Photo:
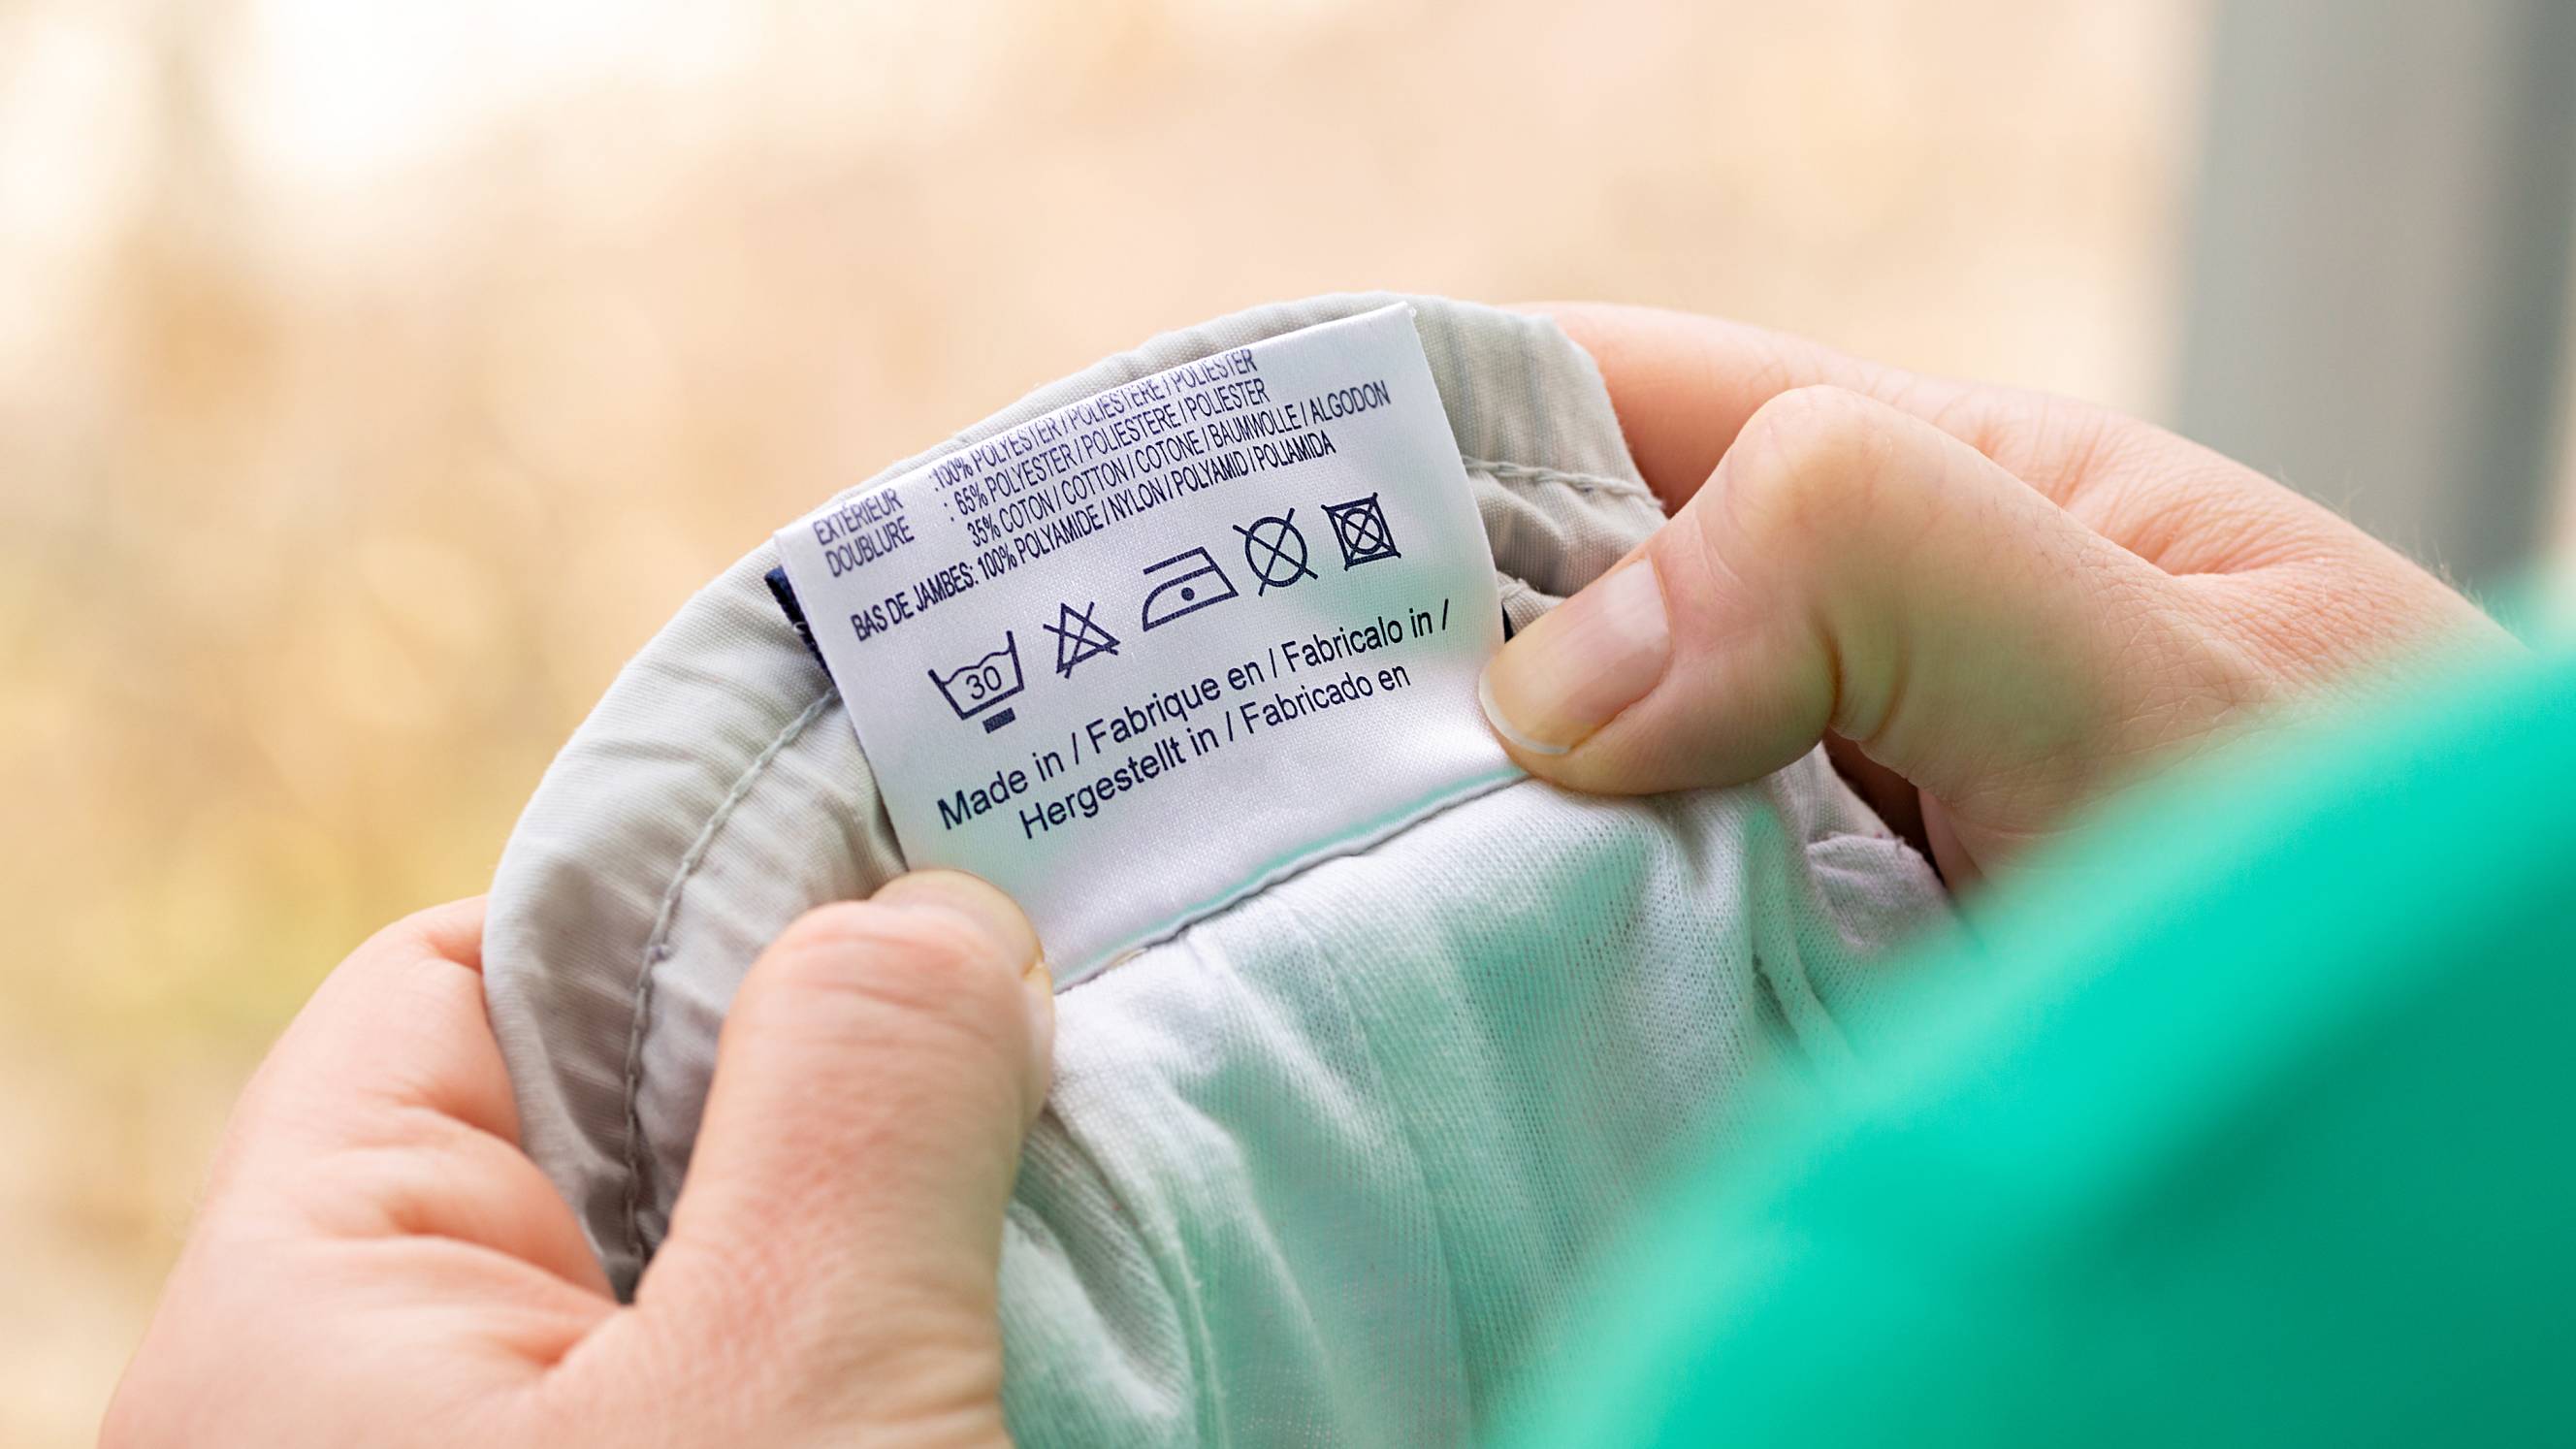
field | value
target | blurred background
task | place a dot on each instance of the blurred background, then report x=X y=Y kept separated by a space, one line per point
x=375 y=379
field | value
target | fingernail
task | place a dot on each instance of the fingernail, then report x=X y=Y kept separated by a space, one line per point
x=1575 y=668
x=963 y=897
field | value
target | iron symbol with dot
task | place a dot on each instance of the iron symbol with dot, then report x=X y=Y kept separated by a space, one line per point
x=1359 y=526
x=1185 y=583
x=1275 y=551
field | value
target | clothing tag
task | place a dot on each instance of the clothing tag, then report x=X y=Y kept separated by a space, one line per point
x=1145 y=654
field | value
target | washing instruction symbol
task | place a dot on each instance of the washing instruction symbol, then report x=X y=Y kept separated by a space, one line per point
x=971 y=689
x=1275 y=550
x=1077 y=638
x=1360 y=527
x=1195 y=583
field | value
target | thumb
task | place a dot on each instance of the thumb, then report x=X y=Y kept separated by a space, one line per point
x=842 y=1221
x=1852 y=570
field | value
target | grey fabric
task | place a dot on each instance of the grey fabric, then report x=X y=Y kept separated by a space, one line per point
x=1320 y=1167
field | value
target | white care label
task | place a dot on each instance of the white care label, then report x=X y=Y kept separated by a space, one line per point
x=1145 y=654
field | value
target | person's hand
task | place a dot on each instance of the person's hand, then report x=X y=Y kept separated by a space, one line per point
x=1990 y=604
x=376 y=1262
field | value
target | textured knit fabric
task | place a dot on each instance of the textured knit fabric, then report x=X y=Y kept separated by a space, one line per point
x=2251 y=1127
x=1324 y=1167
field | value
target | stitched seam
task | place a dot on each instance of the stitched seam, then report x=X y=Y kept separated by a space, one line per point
x=1502 y=472
x=657 y=948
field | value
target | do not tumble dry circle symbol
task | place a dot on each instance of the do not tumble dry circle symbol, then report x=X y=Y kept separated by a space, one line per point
x=1359 y=526
x=1275 y=551
x=1078 y=638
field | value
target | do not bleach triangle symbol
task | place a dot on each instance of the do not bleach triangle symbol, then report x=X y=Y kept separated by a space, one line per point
x=1078 y=637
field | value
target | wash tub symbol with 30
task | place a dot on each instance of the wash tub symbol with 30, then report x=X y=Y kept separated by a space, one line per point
x=973 y=689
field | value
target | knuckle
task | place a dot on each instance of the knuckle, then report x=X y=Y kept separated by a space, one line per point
x=1817 y=414
x=1806 y=461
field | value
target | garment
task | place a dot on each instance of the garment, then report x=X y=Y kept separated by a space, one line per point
x=2250 y=1125
x=1325 y=1166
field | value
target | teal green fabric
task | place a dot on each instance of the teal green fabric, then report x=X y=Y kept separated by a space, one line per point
x=2250 y=1123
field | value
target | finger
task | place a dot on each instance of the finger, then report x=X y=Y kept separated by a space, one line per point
x=401 y=1022
x=385 y=1108
x=1684 y=386
x=1852 y=569
x=878 y=1070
